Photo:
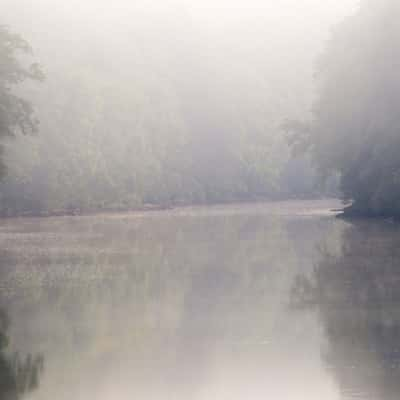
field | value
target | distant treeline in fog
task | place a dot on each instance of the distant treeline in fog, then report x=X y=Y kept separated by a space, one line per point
x=164 y=110
x=169 y=106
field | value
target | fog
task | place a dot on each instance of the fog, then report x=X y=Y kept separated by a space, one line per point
x=172 y=175
x=169 y=102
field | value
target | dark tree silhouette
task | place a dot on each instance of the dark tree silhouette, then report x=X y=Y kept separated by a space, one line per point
x=354 y=128
x=18 y=376
x=356 y=297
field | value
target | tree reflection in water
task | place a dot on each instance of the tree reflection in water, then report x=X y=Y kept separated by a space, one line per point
x=357 y=297
x=18 y=375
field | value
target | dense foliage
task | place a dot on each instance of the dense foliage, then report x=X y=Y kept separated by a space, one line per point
x=16 y=114
x=149 y=119
x=355 y=126
x=164 y=103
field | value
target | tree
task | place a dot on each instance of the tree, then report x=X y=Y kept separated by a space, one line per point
x=16 y=113
x=354 y=130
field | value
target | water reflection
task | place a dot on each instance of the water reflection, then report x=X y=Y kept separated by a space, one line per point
x=195 y=306
x=182 y=307
x=18 y=375
x=357 y=296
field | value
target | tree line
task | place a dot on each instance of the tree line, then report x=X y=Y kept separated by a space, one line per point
x=115 y=137
x=354 y=129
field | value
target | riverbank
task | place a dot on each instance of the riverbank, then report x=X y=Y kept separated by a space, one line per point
x=275 y=206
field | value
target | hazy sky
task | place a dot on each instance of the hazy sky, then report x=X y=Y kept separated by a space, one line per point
x=218 y=12
x=265 y=25
x=267 y=46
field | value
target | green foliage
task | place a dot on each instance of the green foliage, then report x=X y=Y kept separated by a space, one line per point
x=121 y=135
x=355 y=125
x=144 y=118
x=16 y=113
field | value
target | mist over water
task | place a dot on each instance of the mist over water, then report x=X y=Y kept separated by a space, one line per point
x=176 y=305
x=225 y=302
x=171 y=174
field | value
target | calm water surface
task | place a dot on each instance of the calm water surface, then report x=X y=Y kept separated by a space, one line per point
x=267 y=301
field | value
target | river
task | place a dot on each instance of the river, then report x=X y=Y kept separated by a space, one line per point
x=253 y=301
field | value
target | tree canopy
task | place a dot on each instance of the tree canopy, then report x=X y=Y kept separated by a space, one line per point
x=138 y=119
x=355 y=126
x=16 y=113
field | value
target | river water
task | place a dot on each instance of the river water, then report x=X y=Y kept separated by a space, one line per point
x=260 y=301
